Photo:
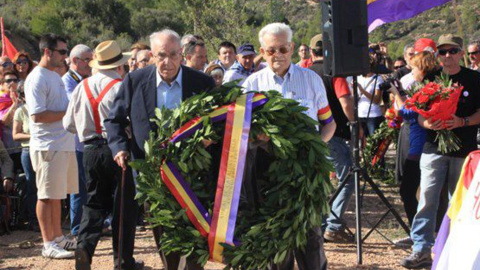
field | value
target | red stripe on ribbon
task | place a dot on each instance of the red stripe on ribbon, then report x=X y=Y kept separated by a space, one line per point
x=182 y=202
x=221 y=177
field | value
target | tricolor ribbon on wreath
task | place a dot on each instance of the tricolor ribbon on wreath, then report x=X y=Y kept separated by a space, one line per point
x=221 y=226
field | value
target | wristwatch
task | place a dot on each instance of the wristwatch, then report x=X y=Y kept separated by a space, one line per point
x=466 y=121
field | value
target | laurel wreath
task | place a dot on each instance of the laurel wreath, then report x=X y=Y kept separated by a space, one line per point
x=293 y=186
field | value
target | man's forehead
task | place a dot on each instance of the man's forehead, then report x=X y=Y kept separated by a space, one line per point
x=473 y=47
x=269 y=39
x=61 y=44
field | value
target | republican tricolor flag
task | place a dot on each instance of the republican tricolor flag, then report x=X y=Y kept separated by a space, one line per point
x=7 y=47
x=458 y=242
x=387 y=11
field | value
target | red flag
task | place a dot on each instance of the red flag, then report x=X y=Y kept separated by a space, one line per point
x=7 y=47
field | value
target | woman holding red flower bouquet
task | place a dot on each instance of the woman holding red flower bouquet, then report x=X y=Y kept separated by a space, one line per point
x=424 y=69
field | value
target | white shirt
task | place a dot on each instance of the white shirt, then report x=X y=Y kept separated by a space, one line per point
x=45 y=91
x=79 y=117
x=169 y=95
x=369 y=84
x=232 y=75
x=300 y=84
x=408 y=81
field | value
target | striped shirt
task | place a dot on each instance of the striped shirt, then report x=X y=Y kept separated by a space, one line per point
x=300 y=84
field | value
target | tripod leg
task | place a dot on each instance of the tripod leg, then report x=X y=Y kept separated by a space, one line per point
x=385 y=201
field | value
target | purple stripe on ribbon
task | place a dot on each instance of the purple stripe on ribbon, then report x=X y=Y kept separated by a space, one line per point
x=386 y=11
x=187 y=133
x=220 y=117
x=259 y=103
x=327 y=121
x=217 y=118
x=441 y=240
x=189 y=191
x=240 y=168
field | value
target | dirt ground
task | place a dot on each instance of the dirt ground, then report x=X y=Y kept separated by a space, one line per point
x=378 y=252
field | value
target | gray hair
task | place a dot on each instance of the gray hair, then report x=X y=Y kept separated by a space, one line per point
x=475 y=42
x=186 y=39
x=140 y=53
x=165 y=32
x=408 y=46
x=275 y=29
x=78 y=50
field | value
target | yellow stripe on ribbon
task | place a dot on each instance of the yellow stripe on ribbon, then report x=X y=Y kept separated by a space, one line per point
x=231 y=172
x=186 y=198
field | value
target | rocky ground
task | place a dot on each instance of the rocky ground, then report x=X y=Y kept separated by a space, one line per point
x=378 y=252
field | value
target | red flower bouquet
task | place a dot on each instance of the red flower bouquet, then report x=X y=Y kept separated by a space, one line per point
x=438 y=101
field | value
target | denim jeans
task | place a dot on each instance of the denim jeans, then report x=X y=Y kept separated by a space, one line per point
x=78 y=200
x=341 y=158
x=31 y=194
x=435 y=170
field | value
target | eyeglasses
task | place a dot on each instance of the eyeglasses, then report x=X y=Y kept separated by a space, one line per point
x=398 y=67
x=7 y=64
x=451 y=51
x=172 y=56
x=8 y=81
x=61 y=52
x=86 y=60
x=472 y=53
x=282 y=50
x=22 y=61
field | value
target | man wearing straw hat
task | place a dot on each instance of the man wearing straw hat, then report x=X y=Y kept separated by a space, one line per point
x=89 y=106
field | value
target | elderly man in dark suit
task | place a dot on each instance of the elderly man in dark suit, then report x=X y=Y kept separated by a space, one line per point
x=164 y=84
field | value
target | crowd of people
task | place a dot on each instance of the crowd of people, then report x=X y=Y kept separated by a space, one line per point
x=70 y=122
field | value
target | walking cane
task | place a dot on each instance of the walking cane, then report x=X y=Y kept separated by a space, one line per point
x=120 y=222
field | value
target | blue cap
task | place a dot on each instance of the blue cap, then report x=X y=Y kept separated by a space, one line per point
x=246 y=49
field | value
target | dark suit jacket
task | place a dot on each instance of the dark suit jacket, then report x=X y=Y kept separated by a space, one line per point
x=136 y=103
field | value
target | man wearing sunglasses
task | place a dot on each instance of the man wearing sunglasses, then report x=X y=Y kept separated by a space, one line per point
x=306 y=87
x=474 y=55
x=52 y=148
x=5 y=64
x=80 y=56
x=437 y=168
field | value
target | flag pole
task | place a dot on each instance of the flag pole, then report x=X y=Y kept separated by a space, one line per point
x=3 y=34
x=460 y=29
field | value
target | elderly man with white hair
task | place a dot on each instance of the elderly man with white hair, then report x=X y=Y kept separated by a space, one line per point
x=165 y=84
x=306 y=87
x=80 y=56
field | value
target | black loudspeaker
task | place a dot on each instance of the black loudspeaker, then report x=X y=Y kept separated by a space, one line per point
x=345 y=37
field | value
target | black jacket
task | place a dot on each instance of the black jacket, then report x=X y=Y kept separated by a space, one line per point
x=136 y=103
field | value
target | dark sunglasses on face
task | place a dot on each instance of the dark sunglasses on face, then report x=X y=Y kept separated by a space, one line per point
x=398 y=67
x=282 y=50
x=472 y=53
x=451 y=51
x=61 y=52
x=24 y=61
x=11 y=81
x=7 y=64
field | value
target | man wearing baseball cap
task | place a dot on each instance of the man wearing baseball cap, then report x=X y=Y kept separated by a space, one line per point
x=90 y=104
x=243 y=67
x=437 y=168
